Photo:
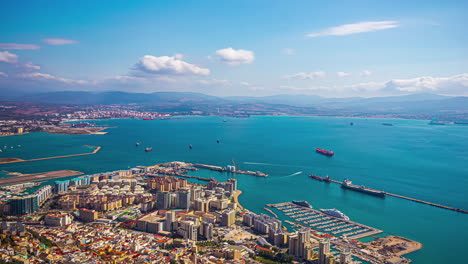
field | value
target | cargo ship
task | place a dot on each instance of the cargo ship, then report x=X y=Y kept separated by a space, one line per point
x=303 y=203
x=336 y=213
x=148 y=118
x=325 y=152
x=137 y=144
x=318 y=178
x=347 y=184
x=148 y=149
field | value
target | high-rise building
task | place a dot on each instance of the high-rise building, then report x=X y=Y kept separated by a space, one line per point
x=170 y=219
x=206 y=230
x=87 y=215
x=228 y=218
x=300 y=245
x=183 y=198
x=345 y=256
x=324 y=249
x=24 y=205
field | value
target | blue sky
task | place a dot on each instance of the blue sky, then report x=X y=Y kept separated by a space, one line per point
x=256 y=48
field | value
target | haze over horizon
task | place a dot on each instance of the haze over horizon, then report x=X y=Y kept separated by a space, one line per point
x=246 y=48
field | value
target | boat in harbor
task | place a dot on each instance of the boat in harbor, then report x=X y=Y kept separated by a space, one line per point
x=328 y=153
x=148 y=149
x=318 y=178
x=302 y=203
x=335 y=213
x=347 y=184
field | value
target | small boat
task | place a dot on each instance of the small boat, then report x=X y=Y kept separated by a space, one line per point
x=387 y=124
x=190 y=146
x=224 y=120
x=217 y=141
x=137 y=144
x=148 y=149
x=351 y=124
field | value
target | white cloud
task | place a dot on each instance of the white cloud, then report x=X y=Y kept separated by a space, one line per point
x=16 y=46
x=8 y=57
x=31 y=66
x=366 y=73
x=306 y=76
x=343 y=74
x=288 y=51
x=457 y=84
x=234 y=57
x=178 y=56
x=2 y=74
x=356 y=28
x=245 y=84
x=213 y=82
x=59 y=41
x=166 y=65
x=37 y=76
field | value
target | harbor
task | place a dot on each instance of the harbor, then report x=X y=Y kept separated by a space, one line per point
x=382 y=194
x=324 y=223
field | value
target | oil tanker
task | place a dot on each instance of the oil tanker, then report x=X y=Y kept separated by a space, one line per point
x=318 y=178
x=325 y=152
x=347 y=184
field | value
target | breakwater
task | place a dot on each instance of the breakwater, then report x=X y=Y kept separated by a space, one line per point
x=16 y=160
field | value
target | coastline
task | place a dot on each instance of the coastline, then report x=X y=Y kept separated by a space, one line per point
x=236 y=198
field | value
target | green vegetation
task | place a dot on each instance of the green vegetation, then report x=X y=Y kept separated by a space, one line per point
x=44 y=240
x=273 y=258
x=207 y=244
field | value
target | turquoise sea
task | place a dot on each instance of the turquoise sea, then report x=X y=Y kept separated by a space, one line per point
x=410 y=158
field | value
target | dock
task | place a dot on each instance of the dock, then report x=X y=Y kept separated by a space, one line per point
x=322 y=222
x=221 y=169
x=270 y=211
x=418 y=201
x=16 y=160
x=23 y=178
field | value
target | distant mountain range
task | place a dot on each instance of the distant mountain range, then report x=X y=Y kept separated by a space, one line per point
x=174 y=101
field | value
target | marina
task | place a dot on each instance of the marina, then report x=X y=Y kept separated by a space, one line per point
x=322 y=222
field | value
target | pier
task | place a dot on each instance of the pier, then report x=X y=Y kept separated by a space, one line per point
x=322 y=222
x=221 y=169
x=16 y=160
x=23 y=178
x=271 y=212
x=418 y=201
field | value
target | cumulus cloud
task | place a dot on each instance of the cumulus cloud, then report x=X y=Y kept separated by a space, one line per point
x=457 y=84
x=306 y=76
x=37 y=76
x=288 y=51
x=31 y=66
x=16 y=46
x=343 y=74
x=166 y=65
x=366 y=73
x=8 y=57
x=234 y=57
x=178 y=56
x=361 y=27
x=59 y=41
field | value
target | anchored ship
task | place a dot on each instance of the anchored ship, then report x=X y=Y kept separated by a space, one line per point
x=318 y=178
x=347 y=184
x=334 y=212
x=148 y=149
x=137 y=144
x=325 y=152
